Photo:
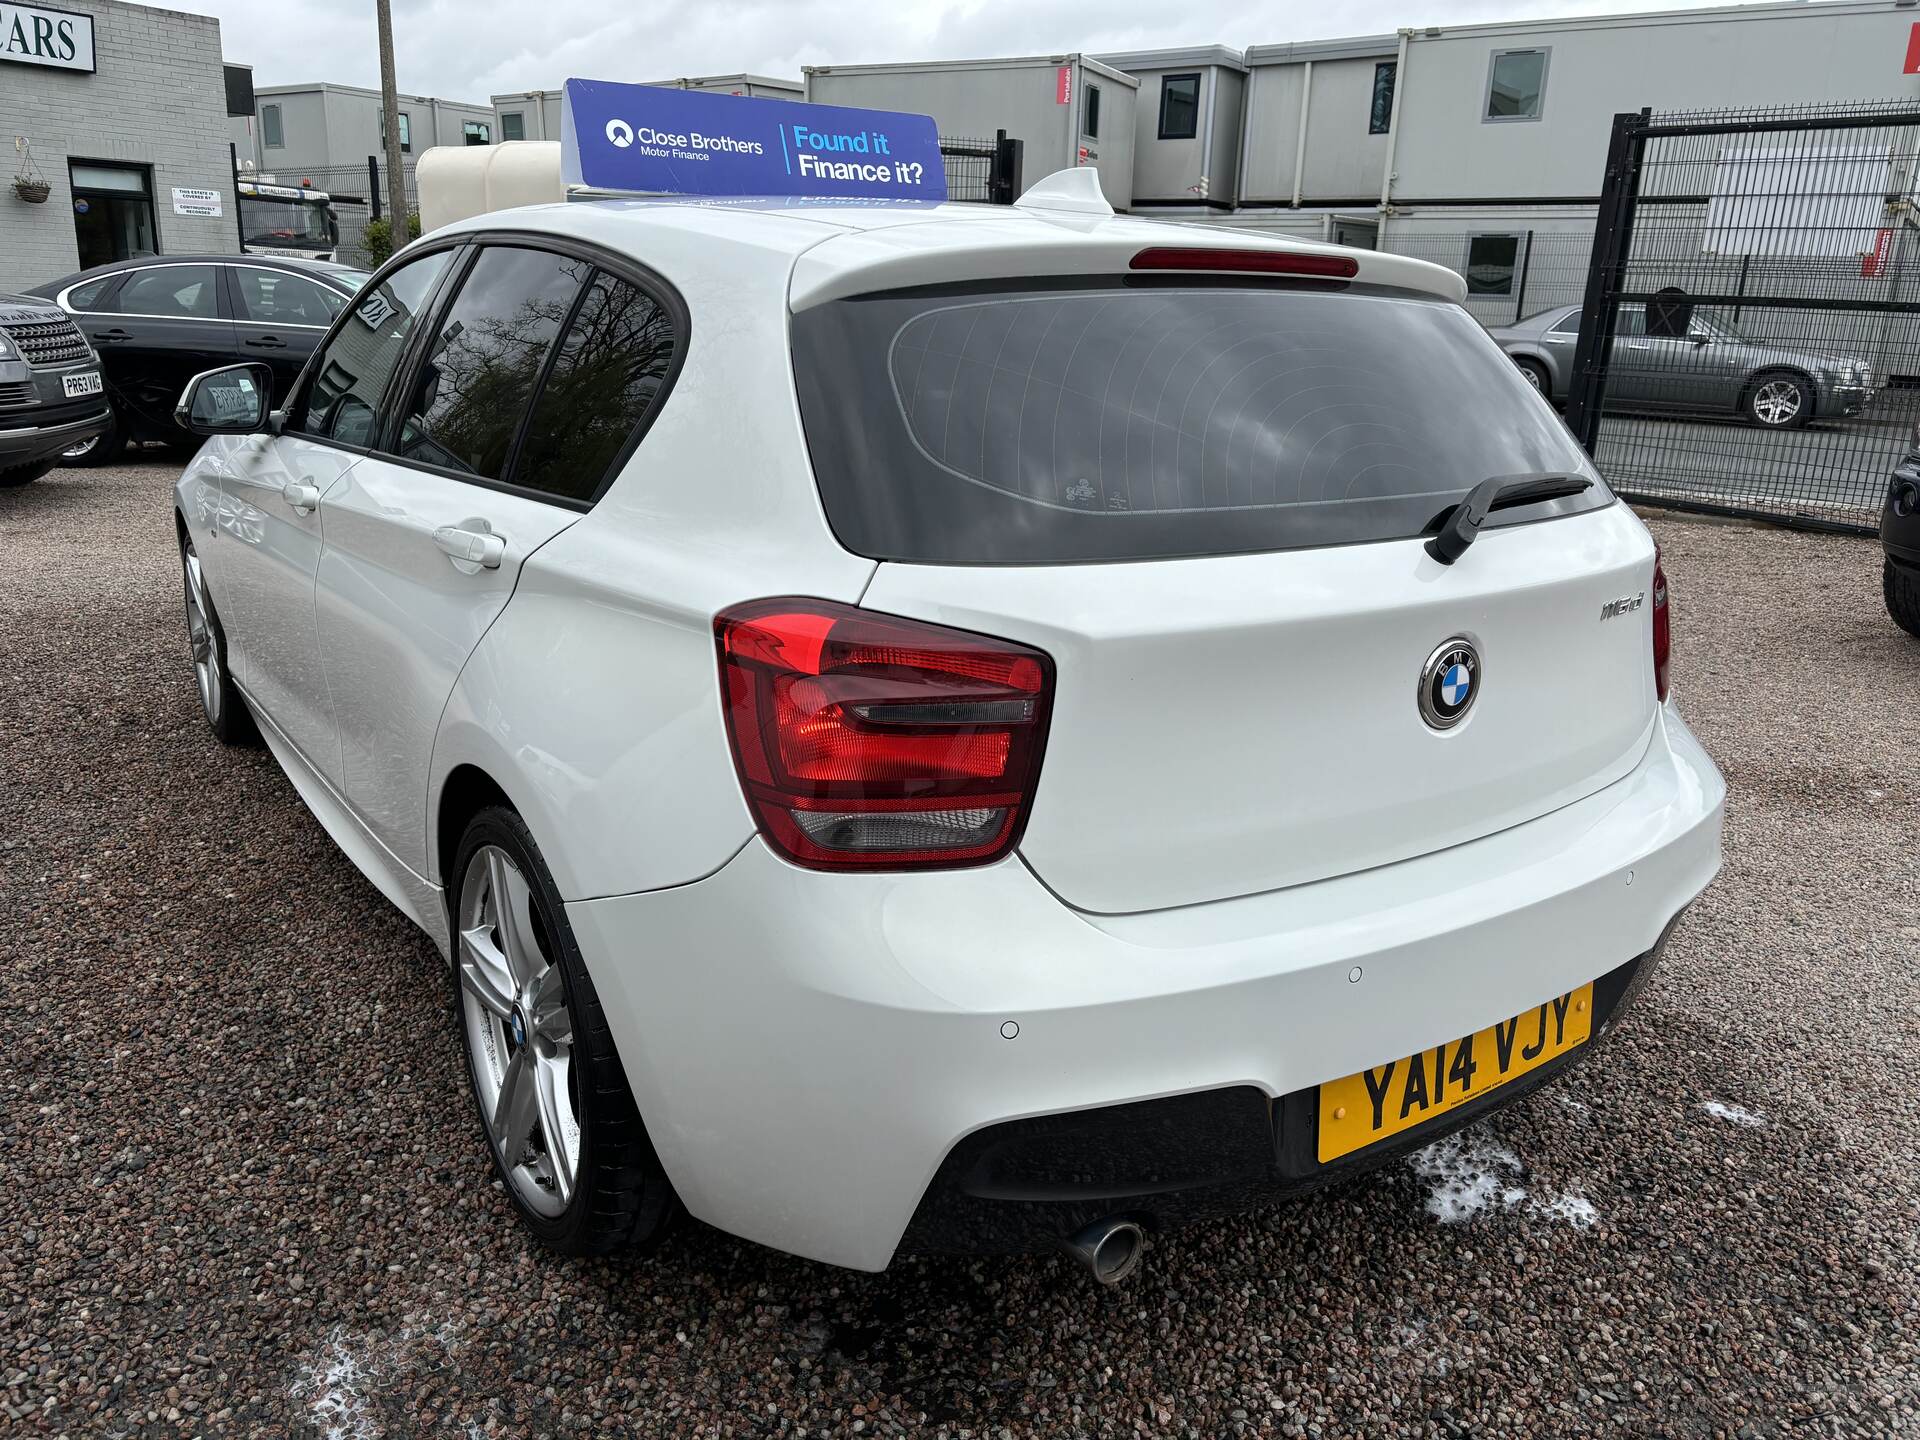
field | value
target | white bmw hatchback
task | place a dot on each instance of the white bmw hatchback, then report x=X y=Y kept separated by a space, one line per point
x=952 y=727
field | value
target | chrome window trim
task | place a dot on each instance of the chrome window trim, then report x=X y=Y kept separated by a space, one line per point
x=61 y=298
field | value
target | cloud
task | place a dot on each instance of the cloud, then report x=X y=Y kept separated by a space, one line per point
x=471 y=49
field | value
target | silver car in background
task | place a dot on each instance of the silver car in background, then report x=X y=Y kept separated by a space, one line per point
x=1715 y=370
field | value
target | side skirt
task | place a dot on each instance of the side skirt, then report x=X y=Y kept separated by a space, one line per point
x=416 y=897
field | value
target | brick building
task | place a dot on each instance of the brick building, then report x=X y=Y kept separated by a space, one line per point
x=122 y=110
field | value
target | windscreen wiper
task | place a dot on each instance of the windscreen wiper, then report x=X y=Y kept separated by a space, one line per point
x=1463 y=522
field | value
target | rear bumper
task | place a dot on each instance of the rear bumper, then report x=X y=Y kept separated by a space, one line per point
x=813 y=1052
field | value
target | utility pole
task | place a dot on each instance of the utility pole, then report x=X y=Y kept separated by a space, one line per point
x=390 y=110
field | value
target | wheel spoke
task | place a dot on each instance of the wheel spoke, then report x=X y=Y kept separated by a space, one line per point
x=483 y=972
x=550 y=1082
x=548 y=1004
x=510 y=895
x=516 y=1109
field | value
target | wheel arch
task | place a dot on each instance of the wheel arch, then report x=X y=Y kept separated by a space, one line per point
x=1798 y=372
x=466 y=790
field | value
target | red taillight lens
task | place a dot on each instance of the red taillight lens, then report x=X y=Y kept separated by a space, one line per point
x=1662 y=629
x=1256 y=262
x=868 y=741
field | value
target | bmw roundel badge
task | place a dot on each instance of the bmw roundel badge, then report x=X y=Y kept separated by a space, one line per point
x=1448 y=683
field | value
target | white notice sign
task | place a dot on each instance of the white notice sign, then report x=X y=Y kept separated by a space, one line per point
x=196 y=202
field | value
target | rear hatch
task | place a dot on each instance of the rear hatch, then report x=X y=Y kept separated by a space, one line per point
x=1205 y=499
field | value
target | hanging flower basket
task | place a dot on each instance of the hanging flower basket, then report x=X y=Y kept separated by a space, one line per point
x=32 y=190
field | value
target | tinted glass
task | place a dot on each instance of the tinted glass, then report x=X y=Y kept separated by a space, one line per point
x=611 y=366
x=1490 y=262
x=351 y=374
x=1107 y=423
x=513 y=127
x=467 y=401
x=273 y=297
x=178 y=291
x=1091 y=119
x=1380 y=115
x=1179 y=107
x=1567 y=324
x=1518 y=76
x=89 y=295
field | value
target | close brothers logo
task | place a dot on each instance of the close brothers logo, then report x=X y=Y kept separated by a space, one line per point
x=620 y=133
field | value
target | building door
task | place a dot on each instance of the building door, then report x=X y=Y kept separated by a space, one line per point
x=113 y=212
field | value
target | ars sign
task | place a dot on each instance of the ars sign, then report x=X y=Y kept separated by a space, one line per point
x=35 y=35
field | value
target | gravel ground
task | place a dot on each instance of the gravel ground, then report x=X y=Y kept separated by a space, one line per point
x=245 y=1193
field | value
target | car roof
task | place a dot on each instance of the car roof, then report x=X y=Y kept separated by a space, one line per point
x=835 y=249
x=144 y=262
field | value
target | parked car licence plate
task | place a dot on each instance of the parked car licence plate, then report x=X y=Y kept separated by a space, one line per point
x=87 y=382
x=1362 y=1109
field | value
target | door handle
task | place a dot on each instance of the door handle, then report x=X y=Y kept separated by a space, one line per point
x=113 y=337
x=471 y=547
x=268 y=342
x=302 y=495
x=1640 y=345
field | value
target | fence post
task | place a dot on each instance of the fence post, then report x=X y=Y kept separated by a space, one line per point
x=373 y=187
x=1746 y=263
x=1606 y=270
x=1526 y=262
x=239 y=220
x=1003 y=184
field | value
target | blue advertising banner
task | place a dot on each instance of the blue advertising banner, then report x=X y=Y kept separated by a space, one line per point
x=686 y=142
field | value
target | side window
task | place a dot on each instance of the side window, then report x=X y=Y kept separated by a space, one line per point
x=1179 y=107
x=1516 y=85
x=611 y=365
x=271 y=135
x=351 y=373
x=89 y=295
x=474 y=383
x=273 y=297
x=1567 y=324
x=1380 y=110
x=1090 y=119
x=513 y=126
x=179 y=292
x=1490 y=264
x=1630 y=323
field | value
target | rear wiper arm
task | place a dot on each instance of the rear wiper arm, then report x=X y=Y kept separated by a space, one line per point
x=1463 y=522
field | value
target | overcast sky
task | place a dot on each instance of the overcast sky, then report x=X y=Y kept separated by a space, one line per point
x=470 y=49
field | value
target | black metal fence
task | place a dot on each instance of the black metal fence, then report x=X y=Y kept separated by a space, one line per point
x=1749 y=341
x=986 y=172
x=1512 y=271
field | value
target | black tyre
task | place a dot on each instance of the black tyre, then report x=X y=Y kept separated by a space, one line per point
x=566 y=1138
x=24 y=474
x=1779 y=400
x=220 y=699
x=1536 y=375
x=1902 y=591
x=104 y=448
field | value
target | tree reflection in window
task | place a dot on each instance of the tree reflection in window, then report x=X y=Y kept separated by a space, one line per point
x=480 y=372
x=610 y=368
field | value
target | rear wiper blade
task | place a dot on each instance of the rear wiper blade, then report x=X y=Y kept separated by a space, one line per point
x=1463 y=522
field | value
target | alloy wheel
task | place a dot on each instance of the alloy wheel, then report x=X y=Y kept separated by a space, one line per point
x=1533 y=378
x=1777 y=402
x=201 y=643
x=519 y=1031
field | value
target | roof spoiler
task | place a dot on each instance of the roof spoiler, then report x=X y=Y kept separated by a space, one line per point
x=1074 y=191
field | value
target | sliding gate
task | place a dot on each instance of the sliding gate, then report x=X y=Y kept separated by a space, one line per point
x=1750 y=338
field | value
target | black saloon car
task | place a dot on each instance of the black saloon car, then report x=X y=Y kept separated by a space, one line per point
x=1900 y=540
x=159 y=321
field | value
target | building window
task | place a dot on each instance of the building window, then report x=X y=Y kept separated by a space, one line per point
x=1490 y=263
x=112 y=211
x=1380 y=116
x=1516 y=85
x=477 y=132
x=1179 y=107
x=1090 y=121
x=406 y=132
x=270 y=132
x=513 y=126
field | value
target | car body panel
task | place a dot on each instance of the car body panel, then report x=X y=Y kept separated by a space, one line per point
x=38 y=419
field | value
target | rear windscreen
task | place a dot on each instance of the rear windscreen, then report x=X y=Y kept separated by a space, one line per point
x=1121 y=421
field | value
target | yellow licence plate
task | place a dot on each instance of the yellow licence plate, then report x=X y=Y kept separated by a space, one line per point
x=1364 y=1108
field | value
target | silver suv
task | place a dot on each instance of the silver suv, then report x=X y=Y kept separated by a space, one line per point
x=1715 y=370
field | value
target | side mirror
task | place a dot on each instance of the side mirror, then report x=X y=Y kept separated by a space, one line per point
x=234 y=400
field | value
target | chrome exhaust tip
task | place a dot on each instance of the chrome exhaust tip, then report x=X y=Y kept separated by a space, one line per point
x=1109 y=1249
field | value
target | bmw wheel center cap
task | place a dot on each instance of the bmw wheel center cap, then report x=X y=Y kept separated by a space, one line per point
x=1449 y=682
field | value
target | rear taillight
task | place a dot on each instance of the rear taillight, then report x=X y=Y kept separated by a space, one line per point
x=868 y=741
x=1662 y=628
x=1254 y=262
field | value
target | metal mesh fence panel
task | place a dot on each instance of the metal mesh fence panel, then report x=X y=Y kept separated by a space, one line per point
x=1756 y=311
x=1512 y=271
x=969 y=166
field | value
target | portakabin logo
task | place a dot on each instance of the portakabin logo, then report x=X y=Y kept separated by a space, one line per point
x=620 y=133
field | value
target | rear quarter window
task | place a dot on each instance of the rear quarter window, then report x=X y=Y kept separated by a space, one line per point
x=1132 y=421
